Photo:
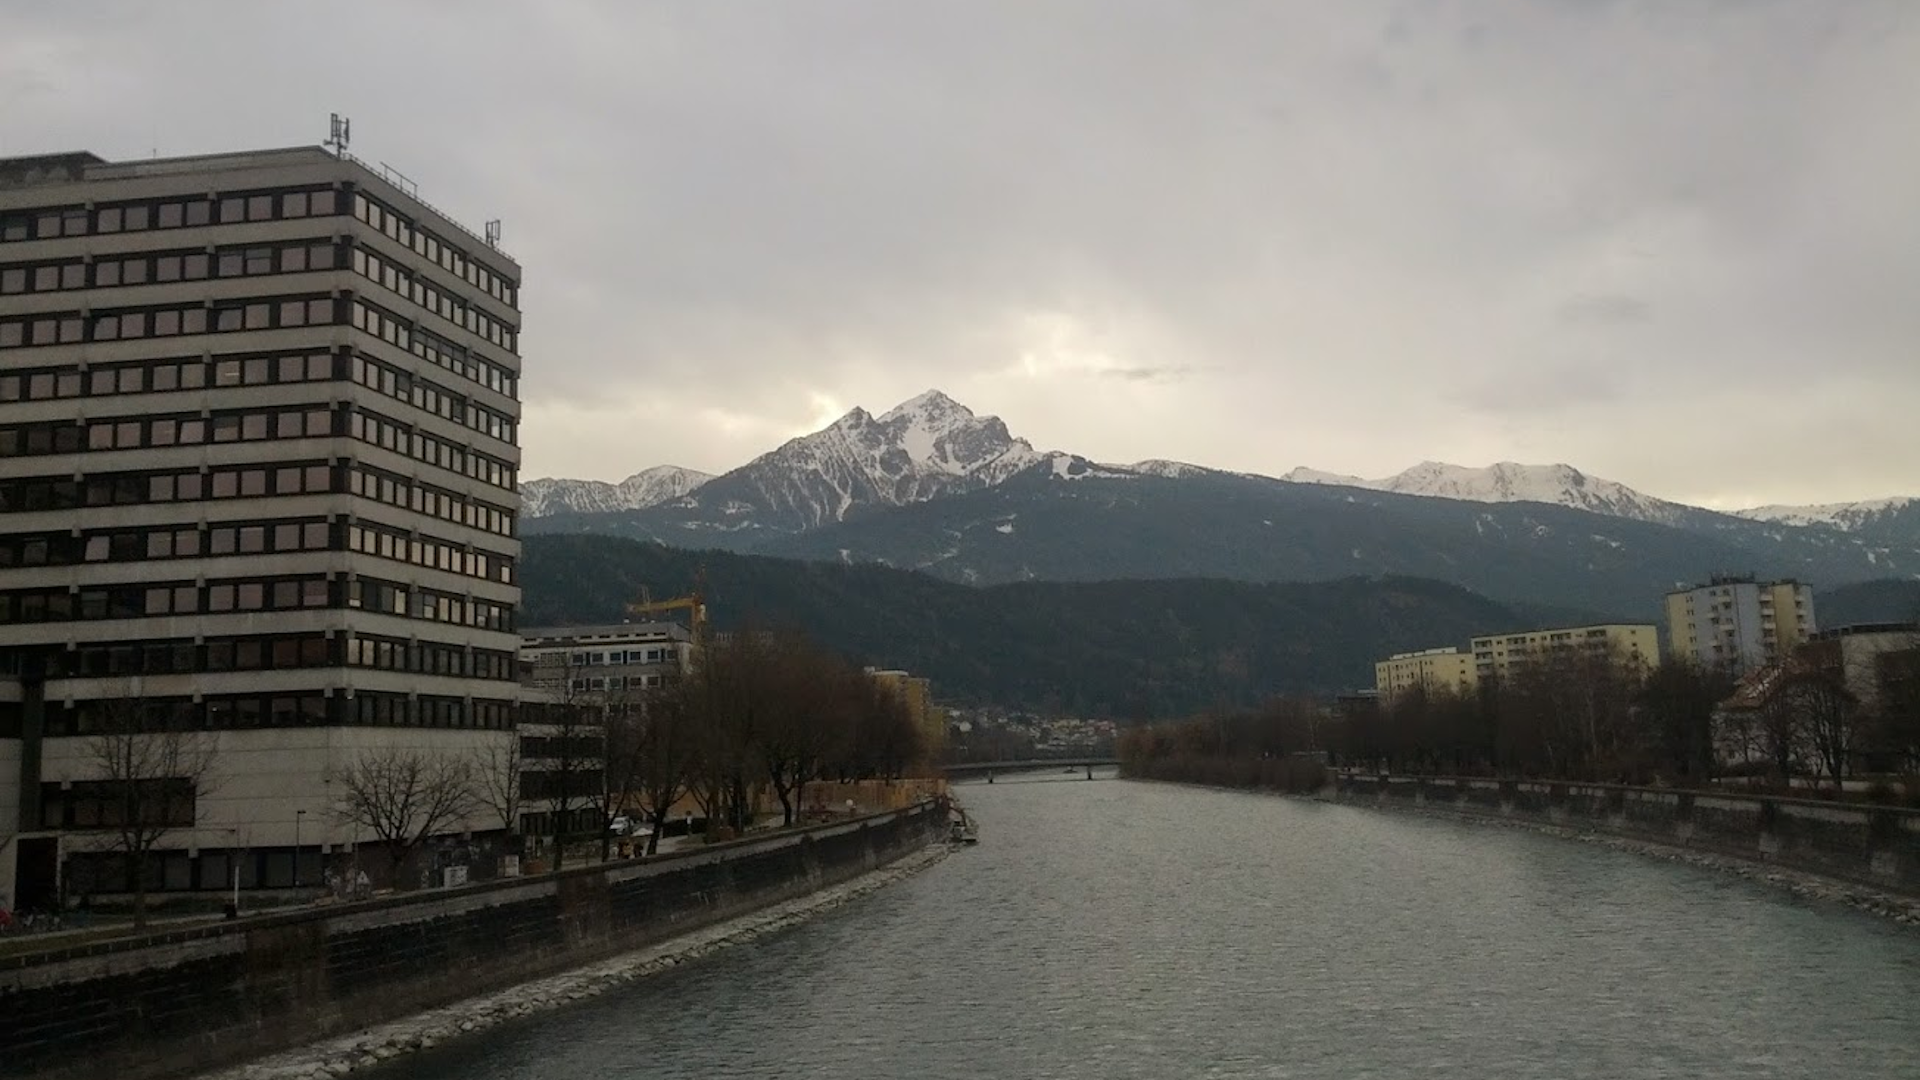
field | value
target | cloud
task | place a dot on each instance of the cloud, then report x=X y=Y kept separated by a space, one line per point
x=1133 y=228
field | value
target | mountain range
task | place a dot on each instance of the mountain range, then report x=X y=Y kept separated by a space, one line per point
x=930 y=485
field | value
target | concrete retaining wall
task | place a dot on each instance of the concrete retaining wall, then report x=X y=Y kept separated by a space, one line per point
x=188 y=1001
x=1871 y=845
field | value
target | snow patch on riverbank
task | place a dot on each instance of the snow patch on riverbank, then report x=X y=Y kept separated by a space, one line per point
x=363 y=1049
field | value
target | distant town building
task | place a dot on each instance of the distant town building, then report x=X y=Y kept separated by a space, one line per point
x=604 y=663
x=1432 y=671
x=1867 y=658
x=1738 y=623
x=574 y=677
x=917 y=692
x=1498 y=656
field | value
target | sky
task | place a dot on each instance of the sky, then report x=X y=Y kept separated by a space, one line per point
x=1671 y=242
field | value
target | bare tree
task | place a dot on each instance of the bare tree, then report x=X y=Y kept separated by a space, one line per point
x=1828 y=716
x=405 y=796
x=496 y=771
x=151 y=770
x=667 y=750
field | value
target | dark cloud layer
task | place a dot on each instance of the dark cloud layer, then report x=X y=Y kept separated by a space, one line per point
x=1671 y=243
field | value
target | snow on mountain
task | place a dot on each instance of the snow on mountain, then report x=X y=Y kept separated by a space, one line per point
x=923 y=448
x=1172 y=470
x=1507 y=481
x=1847 y=517
x=1304 y=475
x=648 y=487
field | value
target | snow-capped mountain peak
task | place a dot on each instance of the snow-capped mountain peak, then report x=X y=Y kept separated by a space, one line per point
x=1847 y=517
x=648 y=487
x=1304 y=475
x=1509 y=481
x=1172 y=470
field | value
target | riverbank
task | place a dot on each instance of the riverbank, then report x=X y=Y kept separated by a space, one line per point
x=361 y=1050
x=1807 y=886
x=188 y=1001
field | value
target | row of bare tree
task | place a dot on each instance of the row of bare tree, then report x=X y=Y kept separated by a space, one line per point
x=760 y=712
x=1576 y=716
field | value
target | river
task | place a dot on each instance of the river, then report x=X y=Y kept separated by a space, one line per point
x=1116 y=929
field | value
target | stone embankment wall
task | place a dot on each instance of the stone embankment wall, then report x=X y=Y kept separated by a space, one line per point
x=1870 y=845
x=177 y=1003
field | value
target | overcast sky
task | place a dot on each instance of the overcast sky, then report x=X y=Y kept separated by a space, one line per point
x=1675 y=244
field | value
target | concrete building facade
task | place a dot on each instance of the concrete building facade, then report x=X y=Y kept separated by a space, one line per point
x=1445 y=670
x=258 y=474
x=586 y=670
x=1739 y=623
x=1499 y=656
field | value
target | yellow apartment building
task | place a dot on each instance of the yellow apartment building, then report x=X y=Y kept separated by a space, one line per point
x=1431 y=670
x=917 y=692
x=1496 y=656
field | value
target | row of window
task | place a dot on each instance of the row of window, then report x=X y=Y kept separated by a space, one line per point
x=394 y=279
x=432 y=397
x=71 y=328
x=44 y=493
x=599 y=684
x=164 y=542
x=385 y=487
x=163 y=267
x=277 y=652
x=400 y=546
x=149 y=432
x=93 y=602
x=291 y=593
x=254 y=538
x=173 y=213
x=40 y=493
x=401 y=438
x=431 y=605
x=665 y=654
x=305 y=422
x=431 y=247
x=162 y=376
x=242 y=712
x=430 y=658
x=431 y=347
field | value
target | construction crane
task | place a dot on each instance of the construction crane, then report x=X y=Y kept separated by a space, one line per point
x=694 y=604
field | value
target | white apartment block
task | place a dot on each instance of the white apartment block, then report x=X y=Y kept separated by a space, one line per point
x=258 y=458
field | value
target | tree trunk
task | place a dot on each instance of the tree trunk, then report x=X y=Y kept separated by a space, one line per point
x=136 y=868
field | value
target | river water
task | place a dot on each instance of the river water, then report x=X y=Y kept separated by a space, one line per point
x=1116 y=929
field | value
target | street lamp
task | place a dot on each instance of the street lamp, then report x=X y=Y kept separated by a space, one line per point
x=297 y=816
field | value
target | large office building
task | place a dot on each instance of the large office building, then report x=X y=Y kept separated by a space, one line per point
x=1500 y=656
x=258 y=462
x=1739 y=623
x=1431 y=671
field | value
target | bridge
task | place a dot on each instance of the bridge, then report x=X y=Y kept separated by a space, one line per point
x=961 y=770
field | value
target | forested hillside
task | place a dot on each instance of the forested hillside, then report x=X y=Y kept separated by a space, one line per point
x=1122 y=648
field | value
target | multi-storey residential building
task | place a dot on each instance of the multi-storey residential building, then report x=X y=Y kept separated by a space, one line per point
x=575 y=675
x=916 y=692
x=258 y=447
x=1739 y=623
x=601 y=663
x=1498 y=656
x=1432 y=671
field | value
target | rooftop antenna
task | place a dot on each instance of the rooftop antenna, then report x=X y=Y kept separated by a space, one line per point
x=339 y=131
x=493 y=233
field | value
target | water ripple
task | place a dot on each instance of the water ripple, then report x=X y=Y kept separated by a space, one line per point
x=1117 y=930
